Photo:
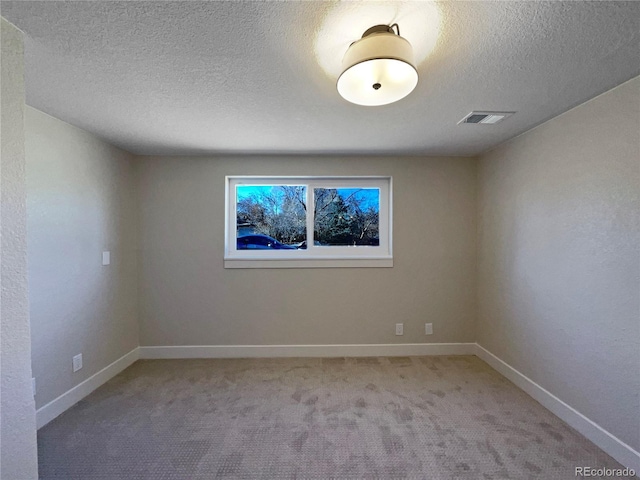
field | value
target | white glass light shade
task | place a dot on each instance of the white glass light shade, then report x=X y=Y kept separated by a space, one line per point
x=378 y=69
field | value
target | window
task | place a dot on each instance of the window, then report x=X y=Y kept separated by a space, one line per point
x=288 y=222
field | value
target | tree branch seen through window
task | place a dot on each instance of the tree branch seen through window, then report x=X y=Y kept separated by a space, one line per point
x=341 y=216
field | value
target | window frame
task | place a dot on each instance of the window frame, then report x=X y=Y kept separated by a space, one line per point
x=313 y=256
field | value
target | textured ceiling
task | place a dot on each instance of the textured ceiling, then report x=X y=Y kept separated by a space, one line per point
x=259 y=77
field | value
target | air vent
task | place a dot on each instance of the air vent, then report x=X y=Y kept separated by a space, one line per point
x=485 y=117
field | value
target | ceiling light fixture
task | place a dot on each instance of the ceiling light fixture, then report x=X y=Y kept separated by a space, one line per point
x=378 y=69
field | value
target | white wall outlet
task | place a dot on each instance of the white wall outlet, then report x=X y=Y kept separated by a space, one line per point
x=399 y=329
x=33 y=385
x=106 y=258
x=428 y=328
x=77 y=362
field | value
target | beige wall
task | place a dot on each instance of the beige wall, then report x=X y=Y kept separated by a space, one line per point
x=80 y=202
x=18 y=459
x=188 y=298
x=559 y=263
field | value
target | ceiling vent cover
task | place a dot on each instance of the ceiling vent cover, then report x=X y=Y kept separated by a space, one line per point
x=490 y=118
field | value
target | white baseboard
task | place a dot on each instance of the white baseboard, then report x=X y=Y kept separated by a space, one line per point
x=51 y=410
x=612 y=445
x=264 y=351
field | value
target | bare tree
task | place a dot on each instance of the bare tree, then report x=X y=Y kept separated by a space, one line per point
x=343 y=220
x=279 y=212
x=341 y=216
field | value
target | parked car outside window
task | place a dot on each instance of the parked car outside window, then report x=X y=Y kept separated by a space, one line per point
x=261 y=242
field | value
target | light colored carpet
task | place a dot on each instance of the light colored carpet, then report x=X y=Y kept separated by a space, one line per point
x=309 y=418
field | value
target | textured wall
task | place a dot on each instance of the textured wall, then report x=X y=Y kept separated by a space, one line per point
x=559 y=262
x=80 y=202
x=188 y=298
x=18 y=458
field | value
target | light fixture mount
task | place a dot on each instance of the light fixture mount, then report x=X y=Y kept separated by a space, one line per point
x=378 y=68
x=381 y=29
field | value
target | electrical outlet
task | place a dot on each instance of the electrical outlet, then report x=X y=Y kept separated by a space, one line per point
x=33 y=385
x=77 y=362
x=428 y=328
x=399 y=329
x=106 y=258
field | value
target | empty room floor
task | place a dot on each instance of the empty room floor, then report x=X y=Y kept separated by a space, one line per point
x=312 y=418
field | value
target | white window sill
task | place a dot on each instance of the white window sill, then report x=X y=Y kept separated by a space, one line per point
x=309 y=263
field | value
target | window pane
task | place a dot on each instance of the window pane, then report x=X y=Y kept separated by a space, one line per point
x=346 y=217
x=271 y=217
